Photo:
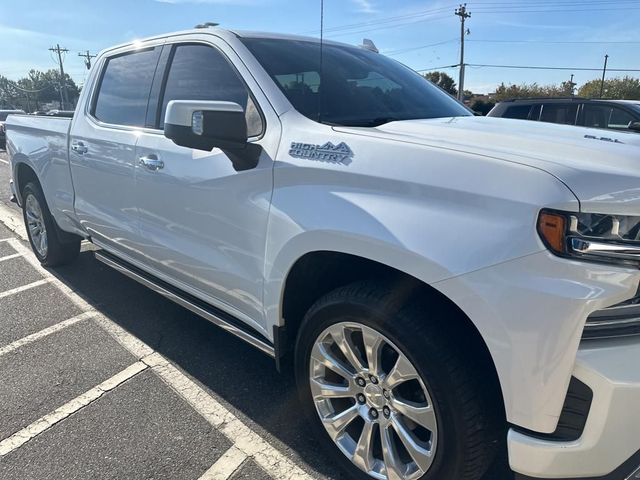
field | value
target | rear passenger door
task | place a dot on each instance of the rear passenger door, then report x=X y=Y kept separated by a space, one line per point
x=605 y=116
x=204 y=223
x=561 y=113
x=102 y=147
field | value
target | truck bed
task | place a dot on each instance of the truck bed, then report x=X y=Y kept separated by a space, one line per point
x=41 y=143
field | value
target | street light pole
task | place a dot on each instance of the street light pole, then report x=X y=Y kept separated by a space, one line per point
x=604 y=72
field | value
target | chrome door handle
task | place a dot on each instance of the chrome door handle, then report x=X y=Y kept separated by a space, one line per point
x=79 y=147
x=151 y=162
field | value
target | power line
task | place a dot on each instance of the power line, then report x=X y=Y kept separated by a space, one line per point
x=554 y=2
x=404 y=50
x=553 y=10
x=425 y=20
x=536 y=67
x=437 y=68
x=383 y=20
x=559 y=42
x=26 y=90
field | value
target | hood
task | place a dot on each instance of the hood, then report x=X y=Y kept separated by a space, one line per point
x=601 y=167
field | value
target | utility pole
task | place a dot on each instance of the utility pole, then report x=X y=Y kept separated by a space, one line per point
x=604 y=72
x=461 y=12
x=87 y=58
x=63 y=85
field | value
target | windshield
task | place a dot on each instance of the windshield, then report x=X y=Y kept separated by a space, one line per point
x=357 y=87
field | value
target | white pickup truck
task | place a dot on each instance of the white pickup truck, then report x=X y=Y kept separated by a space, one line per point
x=447 y=287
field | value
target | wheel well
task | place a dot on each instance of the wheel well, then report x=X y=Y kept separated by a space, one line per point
x=318 y=273
x=24 y=175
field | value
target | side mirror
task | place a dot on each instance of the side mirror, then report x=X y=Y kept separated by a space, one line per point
x=635 y=126
x=204 y=125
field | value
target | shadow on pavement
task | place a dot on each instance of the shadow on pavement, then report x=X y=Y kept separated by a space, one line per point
x=242 y=376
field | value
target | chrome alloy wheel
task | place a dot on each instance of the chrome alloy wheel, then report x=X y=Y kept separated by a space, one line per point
x=36 y=226
x=372 y=402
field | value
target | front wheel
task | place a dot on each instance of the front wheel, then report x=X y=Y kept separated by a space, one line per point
x=43 y=232
x=388 y=391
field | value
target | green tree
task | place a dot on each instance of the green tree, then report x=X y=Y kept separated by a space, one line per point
x=37 y=88
x=504 y=92
x=621 y=88
x=482 y=106
x=443 y=80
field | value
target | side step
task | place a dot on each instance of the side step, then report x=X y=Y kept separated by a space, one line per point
x=197 y=306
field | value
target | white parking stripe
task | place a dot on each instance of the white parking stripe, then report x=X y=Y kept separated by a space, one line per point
x=45 y=332
x=36 y=428
x=9 y=257
x=226 y=465
x=13 y=291
x=244 y=439
x=13 y=221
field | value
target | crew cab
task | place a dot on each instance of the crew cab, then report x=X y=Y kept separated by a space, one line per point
x=447 y=287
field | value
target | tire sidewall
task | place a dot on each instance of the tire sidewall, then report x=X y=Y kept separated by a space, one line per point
x=445 y=464
x=33 y=190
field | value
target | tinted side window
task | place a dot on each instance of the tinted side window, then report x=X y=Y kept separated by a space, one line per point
x=564 y=113
x=124 y=88
x=620 y=119
x=520 y=112
x=200 y=72
x=596 y=116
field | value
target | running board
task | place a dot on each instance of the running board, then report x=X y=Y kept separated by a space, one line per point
x=197 y=306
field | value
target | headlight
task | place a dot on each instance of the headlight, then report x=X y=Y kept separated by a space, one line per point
x=591 y=236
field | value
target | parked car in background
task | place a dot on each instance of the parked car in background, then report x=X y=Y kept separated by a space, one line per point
x=608 y=114
x=3 y=116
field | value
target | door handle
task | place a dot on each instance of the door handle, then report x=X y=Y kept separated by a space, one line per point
x=79 y=147
x=151 y=162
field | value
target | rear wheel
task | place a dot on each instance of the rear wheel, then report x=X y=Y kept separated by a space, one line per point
x=44 y=235
x=388 y=390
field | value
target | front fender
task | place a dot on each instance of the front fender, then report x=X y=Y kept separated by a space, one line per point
x=436 y=228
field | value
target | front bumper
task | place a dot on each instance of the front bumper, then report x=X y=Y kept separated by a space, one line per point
x=609 y=447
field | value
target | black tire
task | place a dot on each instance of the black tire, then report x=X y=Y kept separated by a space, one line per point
x=62 y=247
x=469 y=422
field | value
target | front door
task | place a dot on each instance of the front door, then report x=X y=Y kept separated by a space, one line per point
x=204 y=223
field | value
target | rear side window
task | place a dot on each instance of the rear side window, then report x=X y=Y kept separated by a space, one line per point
x=124 y=89
x=620 y=119
x=201 y=72
x=520 y=112
x=596 y=116
x=564 y=113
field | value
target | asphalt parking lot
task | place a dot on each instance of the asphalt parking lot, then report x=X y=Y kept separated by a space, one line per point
x=102 y=378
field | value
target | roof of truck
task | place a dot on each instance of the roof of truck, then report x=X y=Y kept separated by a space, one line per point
x=225 y=32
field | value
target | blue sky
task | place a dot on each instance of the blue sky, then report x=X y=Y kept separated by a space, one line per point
x=564 y=33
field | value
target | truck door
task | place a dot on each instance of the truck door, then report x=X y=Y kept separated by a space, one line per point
x=204 y=223
x=102 y=147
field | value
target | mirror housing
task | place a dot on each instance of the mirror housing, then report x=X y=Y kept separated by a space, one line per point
x=635 y=126
x=204 y=125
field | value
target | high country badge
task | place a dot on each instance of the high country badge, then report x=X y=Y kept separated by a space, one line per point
x=327 y=152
